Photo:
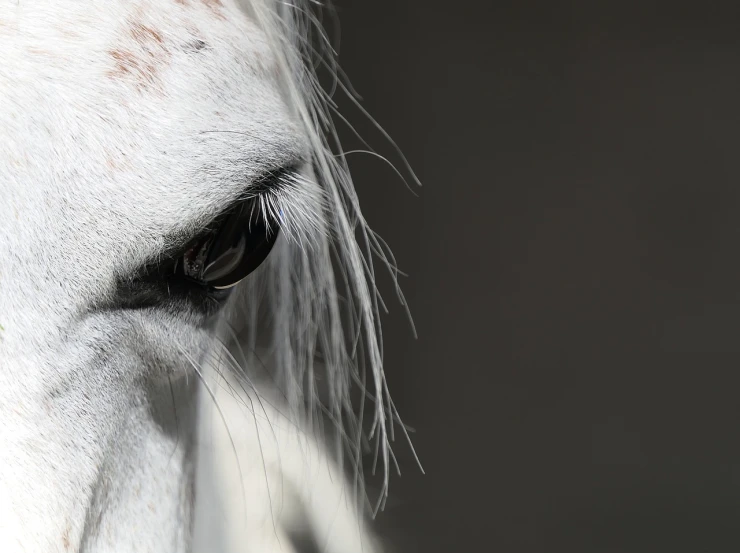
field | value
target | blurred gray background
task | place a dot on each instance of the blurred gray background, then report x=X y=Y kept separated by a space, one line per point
x=573 y=269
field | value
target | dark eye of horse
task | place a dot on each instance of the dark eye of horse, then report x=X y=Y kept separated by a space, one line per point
x=238 y=246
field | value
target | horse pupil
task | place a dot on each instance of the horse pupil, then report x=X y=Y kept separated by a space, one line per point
x=240 y=245
x=222 y=264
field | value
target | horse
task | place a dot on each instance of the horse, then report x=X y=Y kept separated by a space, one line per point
x=187 y=294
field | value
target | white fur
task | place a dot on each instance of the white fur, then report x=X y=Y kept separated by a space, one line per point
x=123 y=124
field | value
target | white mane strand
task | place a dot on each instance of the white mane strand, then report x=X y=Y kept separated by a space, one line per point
x=324 y=304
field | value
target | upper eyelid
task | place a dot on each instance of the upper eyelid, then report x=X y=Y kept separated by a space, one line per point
x=259 y=186
x=264 y=182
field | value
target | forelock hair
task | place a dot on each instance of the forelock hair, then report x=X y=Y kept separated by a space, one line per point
x=312 y=312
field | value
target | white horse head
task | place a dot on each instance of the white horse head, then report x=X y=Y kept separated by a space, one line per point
x=152 y=152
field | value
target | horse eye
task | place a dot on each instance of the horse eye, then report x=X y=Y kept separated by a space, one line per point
x=239 y=245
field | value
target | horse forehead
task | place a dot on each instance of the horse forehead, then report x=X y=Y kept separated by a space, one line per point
x=92 y=12
x=183 y=66
x=55 y=29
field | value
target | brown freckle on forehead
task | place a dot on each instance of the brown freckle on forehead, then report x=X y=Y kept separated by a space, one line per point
x=65 y=538
x=125 y=62
x=128 y=65
x=142 y=60
x=216 y=6
x=143 y=34
x=40 y=52
x=68 y=33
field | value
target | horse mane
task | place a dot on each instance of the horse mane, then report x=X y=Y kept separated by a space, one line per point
x=312 y=311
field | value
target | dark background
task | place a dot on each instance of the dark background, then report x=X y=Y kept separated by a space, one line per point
x=573 y=268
